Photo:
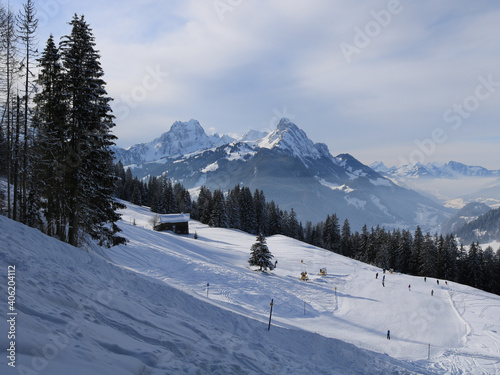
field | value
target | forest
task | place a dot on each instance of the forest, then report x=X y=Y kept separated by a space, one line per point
x=422 y=254
x=55 y=133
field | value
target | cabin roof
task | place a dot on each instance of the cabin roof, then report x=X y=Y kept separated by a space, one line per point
x=174 y=218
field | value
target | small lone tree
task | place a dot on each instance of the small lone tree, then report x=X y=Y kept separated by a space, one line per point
x=260 y=254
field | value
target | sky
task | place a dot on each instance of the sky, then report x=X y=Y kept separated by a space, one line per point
x=397 y=81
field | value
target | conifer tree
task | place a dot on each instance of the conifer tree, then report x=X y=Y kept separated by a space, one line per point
x=233 y=208
x=428 y=258
x=50 y=147
x=403 y=252
x=218 y=215
x=88 y=174
x=27 y=31
x=417 y=248
x=260 y=255
x=205 y=204
x=345 y=240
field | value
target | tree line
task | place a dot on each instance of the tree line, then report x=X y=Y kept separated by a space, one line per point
x=415 y=253
x=55 y=133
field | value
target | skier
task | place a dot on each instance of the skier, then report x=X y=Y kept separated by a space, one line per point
x=409 y=287
x=376 y=275
x=275 y=263
x=432 y=292
x=425 y=279
x=437 y=282
x=388 y=335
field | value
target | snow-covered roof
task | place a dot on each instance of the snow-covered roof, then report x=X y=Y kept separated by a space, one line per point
x=174 y=218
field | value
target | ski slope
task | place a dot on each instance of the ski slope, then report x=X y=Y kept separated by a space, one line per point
x=142 y=308
x=461 y=324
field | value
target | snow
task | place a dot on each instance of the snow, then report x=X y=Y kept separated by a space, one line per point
x=174 y=218
x=345 y=188
x=381 y=182
x=358 y=203
x=142 y=308
x=210 y=168
x=287 y=136
x=380 y=206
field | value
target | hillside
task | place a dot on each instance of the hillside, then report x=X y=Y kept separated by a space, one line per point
x=142 y=308
x=484 y=228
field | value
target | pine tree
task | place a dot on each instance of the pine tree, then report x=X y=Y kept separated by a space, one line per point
x=218 y=215
x=233 y=208
x=205 y=204
x=403 y=252
x=248 y=216
x=474 y=266
x=88 y=175
x=260 y=211
x=50 y=147
x=428 y=258
x=260 y=255
x=346 y=240
x=9 y=54
x=450 y=266
x=417 y=248
x=27 y=29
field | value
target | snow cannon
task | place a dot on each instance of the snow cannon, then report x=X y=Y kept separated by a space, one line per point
x=322 y=271
x=303 y=275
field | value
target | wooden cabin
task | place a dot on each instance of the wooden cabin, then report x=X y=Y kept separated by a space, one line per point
x=177 y=223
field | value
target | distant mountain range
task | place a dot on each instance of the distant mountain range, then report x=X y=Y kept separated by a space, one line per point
x=452 y=184
x=451 y=169
x=291 y=170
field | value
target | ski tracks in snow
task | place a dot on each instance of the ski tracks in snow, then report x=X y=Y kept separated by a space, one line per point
x=481 y=349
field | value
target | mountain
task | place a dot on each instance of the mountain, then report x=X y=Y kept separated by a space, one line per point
x=448 y=170
x=182 y=138
x=143 y=308
x=468 y=213
x=485 y=228
x=292 y=170
x=452 y=184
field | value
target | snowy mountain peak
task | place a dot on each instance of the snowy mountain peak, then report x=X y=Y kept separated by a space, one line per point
x=188 y=127
x=184 y=137
x=252 y=136
x=289 y=137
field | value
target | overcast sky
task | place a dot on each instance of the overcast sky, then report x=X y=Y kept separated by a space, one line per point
x=395 y=81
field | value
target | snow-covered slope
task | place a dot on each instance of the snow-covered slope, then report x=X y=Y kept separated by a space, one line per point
x=143 y=308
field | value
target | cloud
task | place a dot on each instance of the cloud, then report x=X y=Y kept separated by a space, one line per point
x=231 y=64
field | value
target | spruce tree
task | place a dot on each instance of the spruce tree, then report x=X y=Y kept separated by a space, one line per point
x=88 y=174
x=27 y=30
x=50 y=147
x=346 y=240
x=260 y=255
x=218 y=216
